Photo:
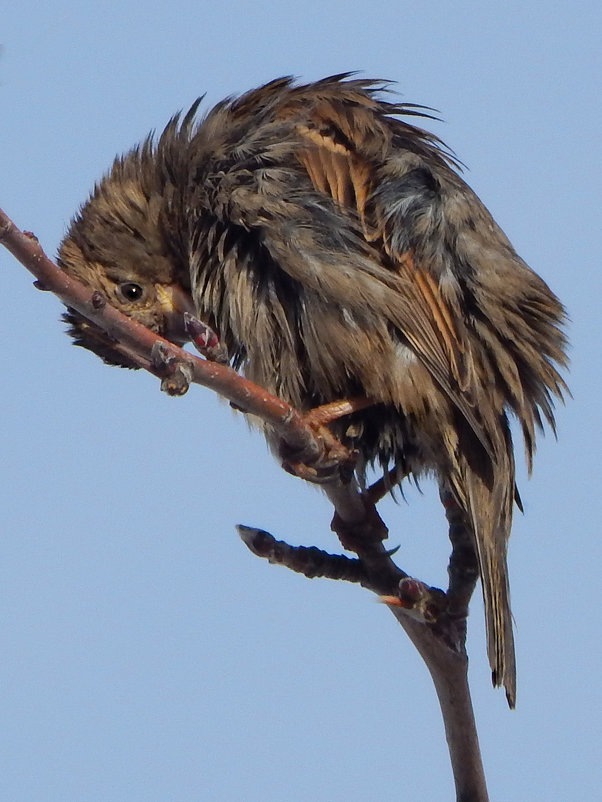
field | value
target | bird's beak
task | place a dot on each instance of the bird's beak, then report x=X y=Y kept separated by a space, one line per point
x=174 y=301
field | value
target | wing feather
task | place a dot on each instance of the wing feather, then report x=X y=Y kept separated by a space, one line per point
x=424 y=318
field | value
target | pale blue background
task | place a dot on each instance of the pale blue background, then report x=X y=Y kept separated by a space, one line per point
x=146 y=654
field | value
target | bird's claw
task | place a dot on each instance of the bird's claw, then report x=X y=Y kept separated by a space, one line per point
x=332 y=461
x=319 y=473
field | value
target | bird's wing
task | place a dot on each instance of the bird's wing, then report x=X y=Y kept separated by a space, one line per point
x=354 y=232
x=337 y=163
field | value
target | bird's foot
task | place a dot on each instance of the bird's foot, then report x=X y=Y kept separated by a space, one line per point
x=332 y=460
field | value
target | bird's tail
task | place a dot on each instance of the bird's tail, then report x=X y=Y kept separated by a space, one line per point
x=491 y=518
x=487 y=501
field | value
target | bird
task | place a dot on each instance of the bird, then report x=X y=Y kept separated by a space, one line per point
x=333 y=246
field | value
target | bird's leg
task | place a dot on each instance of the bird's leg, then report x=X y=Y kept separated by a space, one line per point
x=337 y=409
x=335 y=460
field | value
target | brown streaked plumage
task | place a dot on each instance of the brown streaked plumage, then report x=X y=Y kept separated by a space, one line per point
x=336 y=251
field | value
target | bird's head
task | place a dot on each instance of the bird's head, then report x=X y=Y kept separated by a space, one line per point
x=123 y=244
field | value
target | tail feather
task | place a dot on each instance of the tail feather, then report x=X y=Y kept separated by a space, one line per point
x=486 y=494
x=490 y=512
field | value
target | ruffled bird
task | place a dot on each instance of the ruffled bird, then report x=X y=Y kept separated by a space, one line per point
x=336 y=251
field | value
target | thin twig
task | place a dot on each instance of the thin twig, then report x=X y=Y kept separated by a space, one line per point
x=307 y=560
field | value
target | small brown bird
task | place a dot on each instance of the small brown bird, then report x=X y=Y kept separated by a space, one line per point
x=337 y=253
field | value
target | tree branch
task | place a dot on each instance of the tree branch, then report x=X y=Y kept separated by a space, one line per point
x=436 y=628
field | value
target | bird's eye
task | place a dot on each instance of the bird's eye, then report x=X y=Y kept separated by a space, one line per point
x=131 y=291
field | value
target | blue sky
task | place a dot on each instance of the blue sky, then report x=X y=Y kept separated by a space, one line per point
x=146 y=654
